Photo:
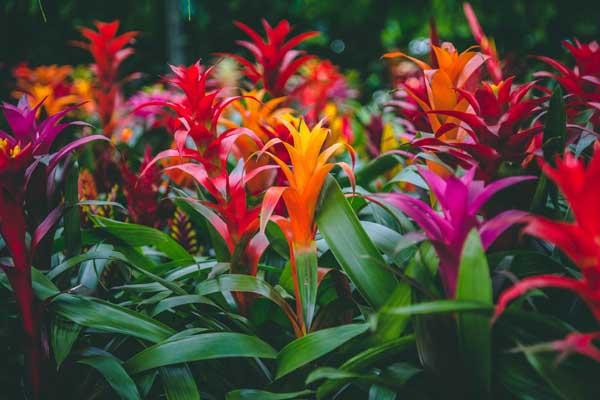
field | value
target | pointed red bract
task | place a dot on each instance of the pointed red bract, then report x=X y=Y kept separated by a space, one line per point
x=108 y=50
x=275 y=60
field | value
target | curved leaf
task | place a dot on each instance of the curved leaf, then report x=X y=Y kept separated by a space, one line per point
x=352 y=247
x=315 y=345
x=252 y=394
x=178 y=382
x=475 y=340
x=98 y=314
x=112 y=370
x=199 y=347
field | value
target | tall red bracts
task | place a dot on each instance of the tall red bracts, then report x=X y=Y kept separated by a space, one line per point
x=580 y=240
x=143 y=193
x=108 y=50
x=25 y=156
x=460 y=200
x=486 y=44
x=581 y=82
x=275 y=59
x=195 y=119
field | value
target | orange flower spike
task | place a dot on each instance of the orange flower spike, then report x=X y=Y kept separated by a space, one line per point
x=309 y=168
x=454 y=71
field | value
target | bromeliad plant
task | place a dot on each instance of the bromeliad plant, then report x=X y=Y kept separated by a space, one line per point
x=109 y=50
x=305 y=178
x=269 y=275
x=497 y=127
x=276 y=59
x=26 y=163
x=461 y=201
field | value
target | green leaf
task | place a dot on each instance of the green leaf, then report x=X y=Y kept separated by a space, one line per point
x=378 y=392
x=139 y=235
x=388 y=241
x=474 y=333
x=252 y=394
x=177 y=301
x=440 y=306
x=98 y=314
x=199 y=347
x=352 y=247
x=112 y=370
x=195 y=211
x=63 y=334
x=367 y=358
x=145 y=382
x=306 y=269
x=568 y=383
x=245 y=283
x=123 y=254
x=315 y=345
x=374 y=169
x=72 y=215
x=178 y=382
x=555 y=126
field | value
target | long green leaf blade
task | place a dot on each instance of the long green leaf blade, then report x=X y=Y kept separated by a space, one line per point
x=475 y=284
x=200 y=347
x=315 y=345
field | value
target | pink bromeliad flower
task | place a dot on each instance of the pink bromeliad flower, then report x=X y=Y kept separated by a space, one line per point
x=25 y=159
x=461 y=200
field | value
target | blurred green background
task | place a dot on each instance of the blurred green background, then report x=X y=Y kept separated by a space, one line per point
x=355 y=33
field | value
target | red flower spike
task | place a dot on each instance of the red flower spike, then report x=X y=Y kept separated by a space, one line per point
x=583 y=81
x=143 y=193
x=275 y=58
x=108 y=50
x=494 y=64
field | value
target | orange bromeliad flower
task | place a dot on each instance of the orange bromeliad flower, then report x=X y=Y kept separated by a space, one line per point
x=50 y=82
x=257 y=115
x=453 y=71
x=306 y=177
x=262 y=118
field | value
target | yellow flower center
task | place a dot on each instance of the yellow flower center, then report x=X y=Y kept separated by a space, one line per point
x=15 y=151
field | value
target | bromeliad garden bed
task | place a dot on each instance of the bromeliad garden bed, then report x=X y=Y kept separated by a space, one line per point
x=243 y=228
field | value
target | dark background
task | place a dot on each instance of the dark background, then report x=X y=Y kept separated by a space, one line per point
x=367 y=28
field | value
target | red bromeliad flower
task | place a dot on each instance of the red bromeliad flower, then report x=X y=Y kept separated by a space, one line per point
x=580 y=240
x=487 y=45
x=497 y=126
x=109 y=50
x=275 y=59
x=460 y=200
x=323 y=84
x=143 y=193
x=227 y=210
x=198 y=112
x=23 y=153
x=583 y=81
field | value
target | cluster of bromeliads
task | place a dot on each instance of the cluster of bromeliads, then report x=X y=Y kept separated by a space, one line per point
x=457 y=126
